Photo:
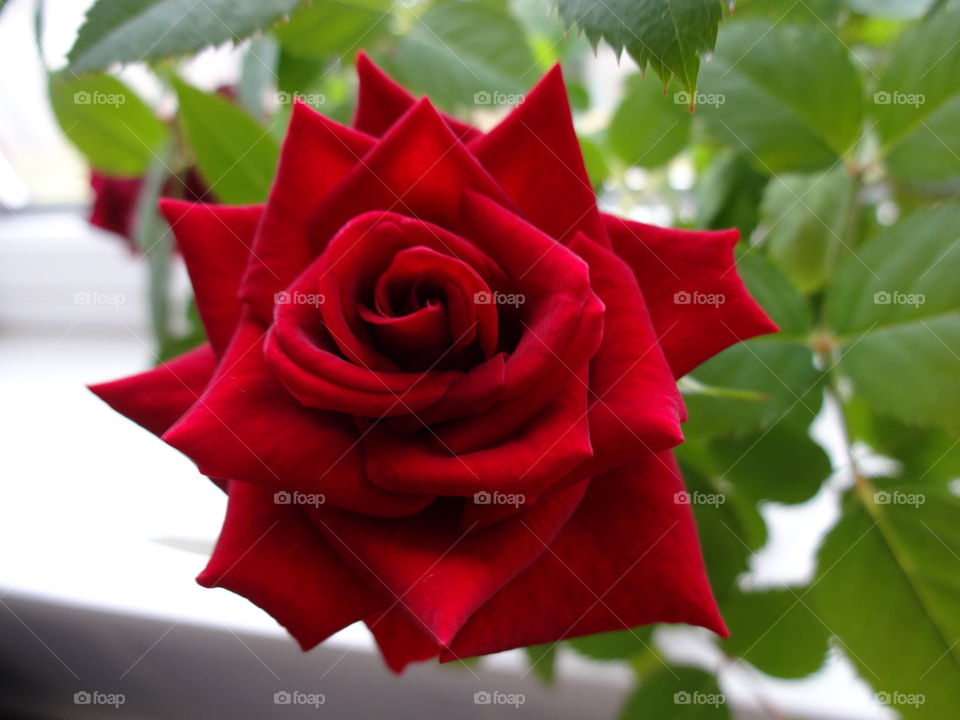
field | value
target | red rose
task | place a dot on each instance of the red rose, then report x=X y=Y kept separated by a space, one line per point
x=115 y=199
x=440 y=384
x=114 y=204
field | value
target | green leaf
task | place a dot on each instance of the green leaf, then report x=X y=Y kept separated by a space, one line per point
x=135 y=30
x=543 y=661
x=888 y=585
x=776 y=631
x=648 y=128
x=465 y=54
x=325 y=29
x=257 y=73
x=667 y=35
x=728 y=193
x=925 y=454
x=917 y=102
x=597 y=169
x=788 y=94
x=108 y=122
x=730 y=527
x=618 y=645
x=782 y=463
x=809 y=11
x=895 y=307
x=779 y=299
x=236 y=156
x=777 y=367
x=804 y=220
x=677 y=693
x=890 y=8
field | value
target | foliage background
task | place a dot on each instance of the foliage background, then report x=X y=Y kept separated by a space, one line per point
x=827 y=131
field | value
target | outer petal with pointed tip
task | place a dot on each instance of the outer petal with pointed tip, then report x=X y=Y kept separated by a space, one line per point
x=381 y=102
x=317 y=153
x=272 y=555
x=215 y=241
x=246 y=427
x=535 y=155
x=635 y=407
x=156 y=399
x=672 y=267
x=629 y=556
x=439 y=572
x=418 y=169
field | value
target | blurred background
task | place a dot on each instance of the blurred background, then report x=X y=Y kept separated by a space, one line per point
x=827 y=458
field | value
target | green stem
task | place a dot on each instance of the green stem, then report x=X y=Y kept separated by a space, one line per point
x=154 y=241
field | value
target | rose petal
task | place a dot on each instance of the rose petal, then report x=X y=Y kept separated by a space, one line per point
x=247 y=427
x=215 y=241
x=562 y=318
x=360 y=254
x=156 y=399
x=381 y=102
x=629 y=556
x=635 y=406
x=671 y=265
x=529 y=461
x=535 y=155
x=317 y=153
x=272 y=555
x=400 y=638
x=419 y=168
x=440 y=573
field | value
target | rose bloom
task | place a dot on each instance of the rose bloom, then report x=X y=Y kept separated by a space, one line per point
x=114 y=206
x=440 y=385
